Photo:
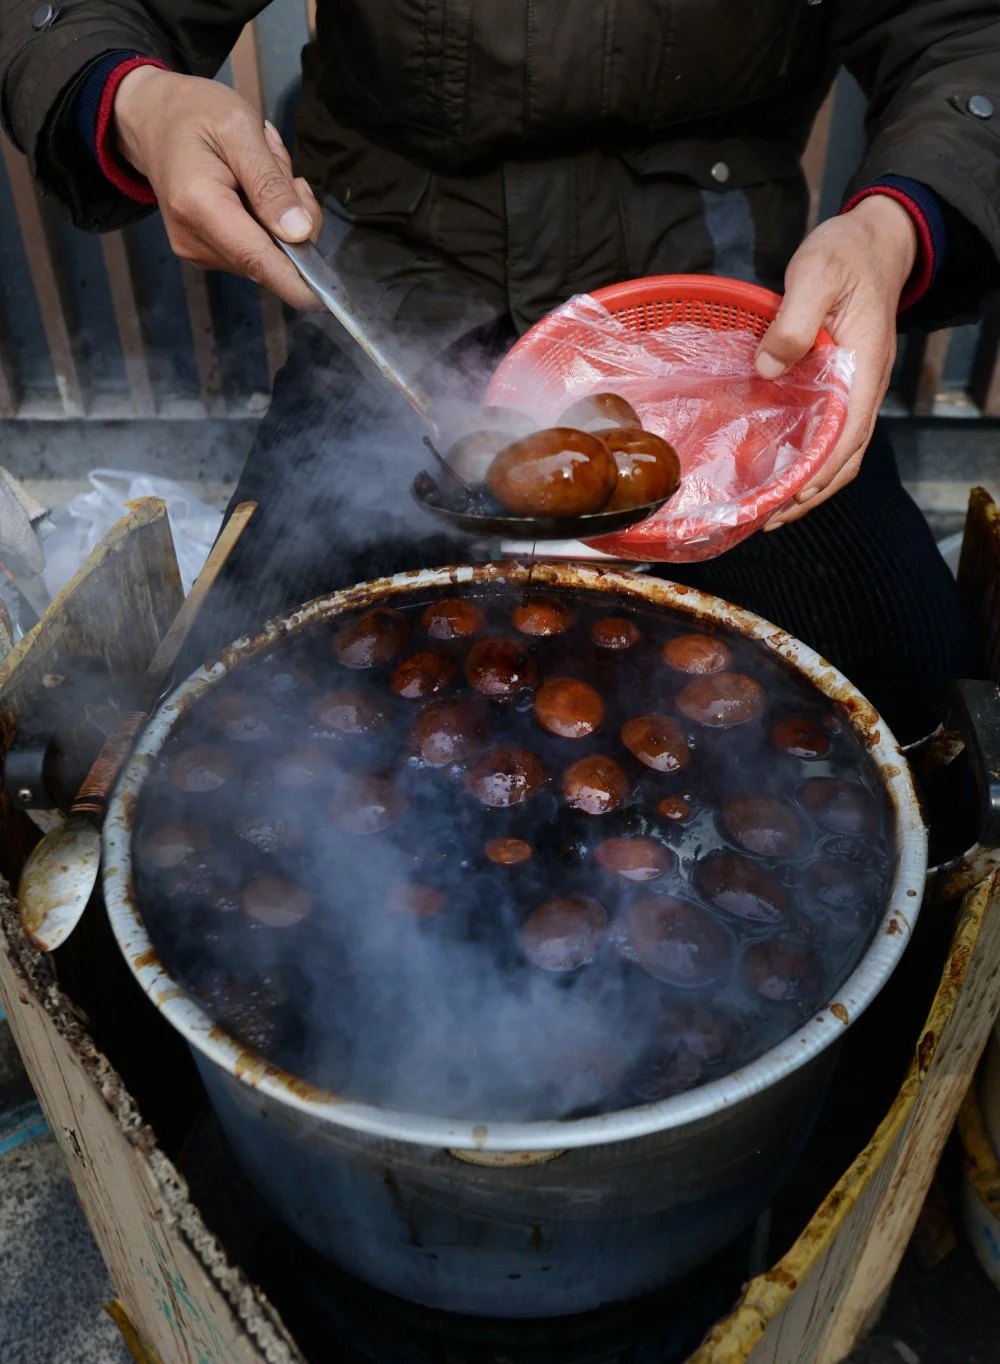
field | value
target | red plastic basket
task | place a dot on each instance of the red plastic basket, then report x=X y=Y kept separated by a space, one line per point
x=653 y=304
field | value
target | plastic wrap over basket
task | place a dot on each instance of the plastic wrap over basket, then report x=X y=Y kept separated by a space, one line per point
x=747 y=445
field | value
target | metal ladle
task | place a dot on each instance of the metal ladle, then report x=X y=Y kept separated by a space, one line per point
x=459 y=512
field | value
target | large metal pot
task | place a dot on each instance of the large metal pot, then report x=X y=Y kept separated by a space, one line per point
x=538 y=1218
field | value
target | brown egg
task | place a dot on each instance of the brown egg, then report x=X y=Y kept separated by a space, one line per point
x=276 y=903
x=367 y=804
x=542 y=616
x=568 y=708
x=446 y=732
x=656 y=741
x=508 y=852
x=692 y=1039
x=348 y=710
x=414 y=900
x=835 y=882
x=764 y=825
x=599 y=411
x=700 y=655
x=505 y=776
x=564 y=934
x=634 y=859
x=300 y=767
x=507 y=419
x=648 y=468
x=558 y=472
x=452 y=618
x=244 y=719
x=783 y=970
x=595 y=785
x=200 y=770
x=677 y=942
x=615 y=632
x=722 y=700
x=843 y=807
x=472 y=454
x=284 y=675
x=741 y=888
x=423 y=674
x=499 y=668
x=800 y=738
x=172 y=844
x=678 y=808
x=373 y=639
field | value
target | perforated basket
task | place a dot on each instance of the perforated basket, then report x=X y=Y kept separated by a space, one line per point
x=541 y=362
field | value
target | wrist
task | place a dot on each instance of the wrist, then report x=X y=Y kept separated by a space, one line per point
x=131 y=112
x=892 y=232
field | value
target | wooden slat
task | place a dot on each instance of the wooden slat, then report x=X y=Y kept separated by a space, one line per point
x=206 y=347
x=10 y=385
x=120 y=263
x=984 y=380
x=814 y=156
x=923 y=369
x=46 y=275
x=245 y=62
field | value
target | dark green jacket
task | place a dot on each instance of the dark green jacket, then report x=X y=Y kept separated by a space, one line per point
x=495 y=155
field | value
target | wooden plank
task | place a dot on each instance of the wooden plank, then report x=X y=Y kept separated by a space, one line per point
x=954 y=1056
x=984 y=378
x=203 y=339
x=814 y=156
x=923 y=368
x=245 y=63
x=10 y=384
x=979 y=576
x=179 y=1296
x=123 y=275
x=813 y=1305
x=44 y=266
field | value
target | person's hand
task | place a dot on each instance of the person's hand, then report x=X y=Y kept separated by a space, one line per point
x=846 y=276
x=199 y=144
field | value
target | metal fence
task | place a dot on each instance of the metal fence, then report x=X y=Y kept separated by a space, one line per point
x=116 y=327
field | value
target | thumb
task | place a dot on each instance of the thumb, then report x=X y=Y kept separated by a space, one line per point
x=267 y=183
x=810 y=292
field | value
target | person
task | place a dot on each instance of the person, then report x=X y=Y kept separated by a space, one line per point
x=471 y=165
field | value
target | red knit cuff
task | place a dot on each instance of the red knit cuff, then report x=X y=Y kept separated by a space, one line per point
x=119 y=172
x=923 y=270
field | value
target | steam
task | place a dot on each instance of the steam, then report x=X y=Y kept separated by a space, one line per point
x=444 y=1014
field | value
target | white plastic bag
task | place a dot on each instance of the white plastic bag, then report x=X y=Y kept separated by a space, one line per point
x=84 y=521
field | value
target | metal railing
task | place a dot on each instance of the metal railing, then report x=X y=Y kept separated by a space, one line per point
x=115 y=327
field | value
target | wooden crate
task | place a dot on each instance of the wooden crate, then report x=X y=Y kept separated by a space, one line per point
x=93 y=1046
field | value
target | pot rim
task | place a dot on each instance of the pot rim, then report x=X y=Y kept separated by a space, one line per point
x=245 y=1065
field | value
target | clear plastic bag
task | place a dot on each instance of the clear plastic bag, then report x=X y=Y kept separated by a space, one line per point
x=747 y=445
x=85 y=520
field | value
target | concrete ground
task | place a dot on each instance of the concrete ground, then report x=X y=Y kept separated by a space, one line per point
x=52 y=1281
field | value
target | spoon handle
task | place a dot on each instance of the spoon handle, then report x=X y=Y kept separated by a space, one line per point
x=329 y=289
x=92 y=798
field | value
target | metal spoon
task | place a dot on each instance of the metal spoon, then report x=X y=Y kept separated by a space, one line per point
x=330 y=290
x=60 y=874
x=328 y=287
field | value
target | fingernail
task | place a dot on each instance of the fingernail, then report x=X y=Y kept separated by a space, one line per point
x=294 y=222
x=805 y=496
x=272 y=132
x=773 y=525
x=767 y=366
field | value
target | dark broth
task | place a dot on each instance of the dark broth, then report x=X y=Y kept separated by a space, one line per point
x=393 y=965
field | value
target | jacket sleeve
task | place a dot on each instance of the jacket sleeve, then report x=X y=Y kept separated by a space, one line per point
x=46 y=51
x=931 y=72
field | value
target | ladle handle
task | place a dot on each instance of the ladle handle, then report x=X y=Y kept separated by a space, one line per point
x=329 y=289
